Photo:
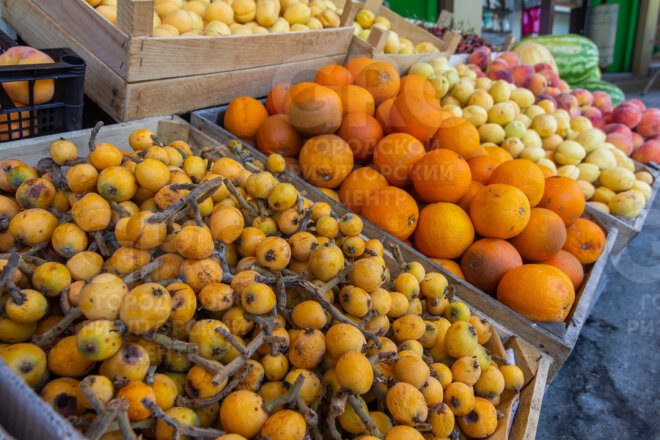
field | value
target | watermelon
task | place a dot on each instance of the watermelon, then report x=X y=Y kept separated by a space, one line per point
x=615 y=93
x=576 y=56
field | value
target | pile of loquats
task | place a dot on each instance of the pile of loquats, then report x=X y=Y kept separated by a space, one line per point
x=164 y=294
x=174 y=18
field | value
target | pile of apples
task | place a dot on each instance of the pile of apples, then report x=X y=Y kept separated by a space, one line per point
x=366 y=19
x=232 y=17
x=530 y=112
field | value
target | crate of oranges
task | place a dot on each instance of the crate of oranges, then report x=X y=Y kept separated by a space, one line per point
x=180 y=55
x=187 y=288
x=500 y=226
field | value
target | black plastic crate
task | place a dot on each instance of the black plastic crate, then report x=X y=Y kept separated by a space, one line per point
x=61 y=114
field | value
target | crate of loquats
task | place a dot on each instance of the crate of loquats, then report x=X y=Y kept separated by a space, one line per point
x=149 y=57
x=508 y=396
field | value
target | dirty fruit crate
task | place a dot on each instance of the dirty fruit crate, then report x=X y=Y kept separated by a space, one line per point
x=375 y=43
x=63 y=112
x=20 y=403
x=629 y=227
x=133 y=75
x=554 y=338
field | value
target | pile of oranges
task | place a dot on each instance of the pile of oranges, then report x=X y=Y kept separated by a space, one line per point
x=163 y=294
x=383 y=146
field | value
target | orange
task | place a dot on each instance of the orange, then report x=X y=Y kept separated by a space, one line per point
x=392 y=209
x=419 y=83
x=293 y=91
x=355 y=99
x=547 y=172
x=586 y=240
x=380 y=79
x=481 y=168
x=333 y=75
x=499 y=211
x=539 y=292
x=570 y=265
x=243 y=117
x=524 y=175
x=383 y=115
x=467 y=198
x=315 y=110
x=395 y=155
x=356 y=65
x=459 y=135
x=441 y=176
x=564 y=196
x=450 y=266
x=544 y=235
x=276 y=97
x=277 y=135
x=358 y=185
x=416 y=114
x=444 y=231
x=487 y=260
x=498 y=153
x=362 y=133
x=325 y=160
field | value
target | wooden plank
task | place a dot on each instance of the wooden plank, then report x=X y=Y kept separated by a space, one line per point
x=87 y=26
x=102 y=84
x=377 y=39
x=135 y=17
x=529 y=408
x=31 y=150
x=179 y=95
x=164 y=57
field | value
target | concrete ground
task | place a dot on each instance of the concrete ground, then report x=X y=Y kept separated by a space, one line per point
x=607 y=389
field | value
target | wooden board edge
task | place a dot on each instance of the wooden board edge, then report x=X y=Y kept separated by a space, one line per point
x=587 y=296
x=152 y=58
x=146 y=99
x=90 y=29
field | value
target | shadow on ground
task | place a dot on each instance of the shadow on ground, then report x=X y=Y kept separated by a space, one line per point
x=608 y=387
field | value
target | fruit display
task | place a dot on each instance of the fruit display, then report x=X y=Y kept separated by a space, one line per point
x=163 y=294
x=366 y=19
x=469 y=40
x=238 y=17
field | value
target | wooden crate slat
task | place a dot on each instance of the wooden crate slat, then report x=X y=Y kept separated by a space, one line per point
x=179 y=95
x=166 y=57
x=82 y=22
x=135 y=17
x=102 y=84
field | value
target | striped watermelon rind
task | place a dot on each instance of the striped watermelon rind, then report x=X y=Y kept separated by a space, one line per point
x=576 y=56
x=615 y=93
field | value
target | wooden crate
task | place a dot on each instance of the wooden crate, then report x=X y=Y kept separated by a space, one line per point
x=373 y=46
x=21 y=402
x=555 y=339
x=629 y=227
x=132 y=75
